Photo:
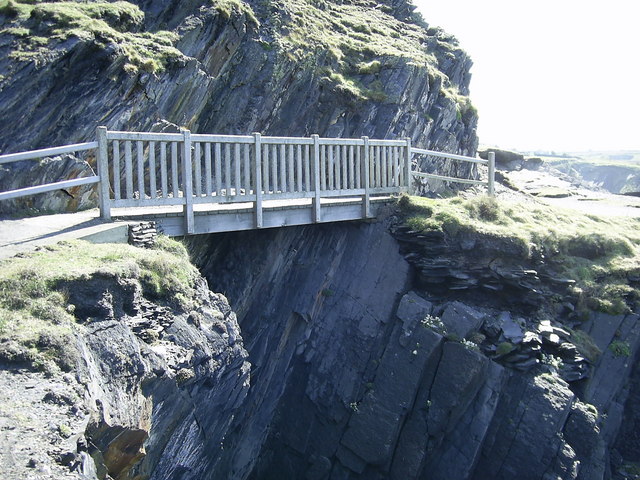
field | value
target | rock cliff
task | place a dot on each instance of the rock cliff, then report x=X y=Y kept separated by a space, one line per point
x=294 y=67
x=354 y=378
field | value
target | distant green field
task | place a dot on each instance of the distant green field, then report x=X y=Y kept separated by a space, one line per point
x=626 y=159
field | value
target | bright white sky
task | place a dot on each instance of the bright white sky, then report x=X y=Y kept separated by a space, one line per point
x=559 y=75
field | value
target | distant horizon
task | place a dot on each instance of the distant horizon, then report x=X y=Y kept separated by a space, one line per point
x=549 y=76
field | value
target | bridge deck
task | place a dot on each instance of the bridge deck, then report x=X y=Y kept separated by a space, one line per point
x=26 y=234
x=214 y=218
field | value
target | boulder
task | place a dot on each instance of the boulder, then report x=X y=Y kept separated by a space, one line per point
x=460 y=319
x=505 y=159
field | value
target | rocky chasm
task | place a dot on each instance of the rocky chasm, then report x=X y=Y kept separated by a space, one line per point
x=335 y=363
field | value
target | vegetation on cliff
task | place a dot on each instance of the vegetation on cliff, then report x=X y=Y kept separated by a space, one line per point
x=601 y=254
x=37 y=27
x=36 y=316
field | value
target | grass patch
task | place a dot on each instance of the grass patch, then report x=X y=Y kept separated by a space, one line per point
x=36 y=319
x=39 y=25
x=585 y=345
x=620 y=349
x=226 y=8
x=600 y=253
x=358 y=39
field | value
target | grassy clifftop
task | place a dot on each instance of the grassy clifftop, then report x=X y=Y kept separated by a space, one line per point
x=36 y=314
x=38 y=26
x=601 y=254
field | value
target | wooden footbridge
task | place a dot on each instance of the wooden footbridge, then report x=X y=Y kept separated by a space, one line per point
x=192 y=183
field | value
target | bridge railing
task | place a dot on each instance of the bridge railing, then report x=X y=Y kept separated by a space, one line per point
x=490 y=162
x=48 y=187
x=139 y=169
x=148 y=169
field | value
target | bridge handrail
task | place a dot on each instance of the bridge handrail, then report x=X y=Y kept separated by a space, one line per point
x=490 y=162
x=152 y=168
x=47 y=152
x=42 y=153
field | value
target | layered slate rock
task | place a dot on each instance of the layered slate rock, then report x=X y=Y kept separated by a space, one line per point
x=162 y=385
x=231 y=69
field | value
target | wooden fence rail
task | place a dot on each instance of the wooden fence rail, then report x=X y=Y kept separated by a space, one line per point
x=142 y=169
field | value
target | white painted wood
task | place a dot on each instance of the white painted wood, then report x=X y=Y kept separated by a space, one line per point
x=227 y=169
x=323 y=167
x=358 y=167
x=299 y=186
x=265 y=169
x=49 y=187
x=406 y=168
x=258 y=180
x=274 y=218
x=492 y=174
x=47 y=152
x=383 y=167
x=301 y=168
x=224 y=200
x=187 y=172
x=153 y=187
x=208 y=184
x=344 y=162
x=135 y=136
x=116 y=170
x=283 y=168
x=273 y=158
x=330 y=167
x=140 y=168
x=448 y=179
x=390 y=151
x=351 y=167
x=102 y=161
x=422 y=151
x=378 y=167
x=136 y=202
x=316 y=180
x=387 y=143
x=396 y=167
x=197 y=169
x=175 y=186
x=128 y=175
x=242 y=139
x=237 y=167
x=217 y=158
x=307 y=168
x=287 y=140
x=163 y=170
x=290 y=169
x=247 y=169
x=338 y=171
x=366 y=200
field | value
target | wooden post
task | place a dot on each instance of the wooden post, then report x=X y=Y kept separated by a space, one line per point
x=366 y=201
x=492 y=174
x=187 y=182
x=407 y=166
x=258 y=178
x=102 y=161
x=316 y=179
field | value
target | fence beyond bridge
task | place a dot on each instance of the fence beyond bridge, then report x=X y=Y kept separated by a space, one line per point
x=238 y=181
